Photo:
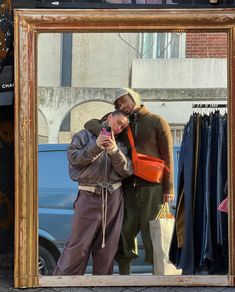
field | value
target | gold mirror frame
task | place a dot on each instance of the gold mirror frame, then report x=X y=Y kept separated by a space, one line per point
x=28 y=23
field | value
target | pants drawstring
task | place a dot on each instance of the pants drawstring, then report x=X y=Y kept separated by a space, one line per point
x=104 y=192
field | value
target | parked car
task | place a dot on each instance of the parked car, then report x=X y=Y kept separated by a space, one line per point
x=57 y=192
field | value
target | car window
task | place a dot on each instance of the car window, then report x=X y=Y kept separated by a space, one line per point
x=56 y=189
x=53 y=169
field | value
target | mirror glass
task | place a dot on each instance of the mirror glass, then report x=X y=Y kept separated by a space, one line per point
x=181 y=77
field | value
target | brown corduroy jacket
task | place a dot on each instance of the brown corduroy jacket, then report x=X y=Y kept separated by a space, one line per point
x=152 y=137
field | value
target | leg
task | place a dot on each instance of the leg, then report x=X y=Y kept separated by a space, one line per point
x=150 y=200
x=127 y=249
x=73 y=260
x=103 y=258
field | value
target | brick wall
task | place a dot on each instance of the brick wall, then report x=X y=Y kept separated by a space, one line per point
x=206 y=45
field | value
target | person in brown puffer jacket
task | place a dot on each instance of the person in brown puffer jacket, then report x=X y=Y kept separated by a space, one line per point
x=142 y=199
x=98 y=164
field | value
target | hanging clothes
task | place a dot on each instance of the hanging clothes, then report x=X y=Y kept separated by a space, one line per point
x=200 y=240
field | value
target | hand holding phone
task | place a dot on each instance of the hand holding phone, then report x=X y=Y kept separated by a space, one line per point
x=104 y=138
x=107 y=131
x=109 y=142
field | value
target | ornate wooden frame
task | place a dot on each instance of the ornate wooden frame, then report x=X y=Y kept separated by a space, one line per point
x=28 y=23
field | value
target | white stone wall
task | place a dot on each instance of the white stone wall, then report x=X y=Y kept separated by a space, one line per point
x=102 y=62
x=98 y=60
x=49 y=59
x=179 y=73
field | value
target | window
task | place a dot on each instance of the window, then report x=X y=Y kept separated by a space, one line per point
x=162 y=45
x=66 y=72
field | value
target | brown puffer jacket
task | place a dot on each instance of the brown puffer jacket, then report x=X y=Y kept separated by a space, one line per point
x=92 y=166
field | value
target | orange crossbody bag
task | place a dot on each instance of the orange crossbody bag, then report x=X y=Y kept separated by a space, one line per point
x=147 y=167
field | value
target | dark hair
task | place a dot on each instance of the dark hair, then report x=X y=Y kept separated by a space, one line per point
x=119 y=112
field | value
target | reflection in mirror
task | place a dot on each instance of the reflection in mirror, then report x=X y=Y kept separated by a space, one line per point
x=180 y=76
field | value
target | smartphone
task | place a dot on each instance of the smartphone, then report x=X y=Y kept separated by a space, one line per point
x=107 y=131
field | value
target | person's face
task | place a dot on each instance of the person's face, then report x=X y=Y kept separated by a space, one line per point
x=118 y=123
x=126 y=104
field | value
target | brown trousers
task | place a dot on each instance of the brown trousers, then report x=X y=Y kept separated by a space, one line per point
x=86 y=235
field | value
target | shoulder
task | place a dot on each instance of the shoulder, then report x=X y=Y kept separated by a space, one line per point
x=81 y=133
x=82 y=136
x=157 y=118
x=159 y=122
x=144 y=112
x=148 y=118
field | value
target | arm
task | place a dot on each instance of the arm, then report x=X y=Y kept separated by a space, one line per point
x=80 y=153
x=119 y=159
x=94 y=126
x=166 y=149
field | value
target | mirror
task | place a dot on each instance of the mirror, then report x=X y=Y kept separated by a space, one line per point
x=170 y=68
x=159 y=65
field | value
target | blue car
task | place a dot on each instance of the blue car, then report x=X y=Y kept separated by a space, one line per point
x=57 y=192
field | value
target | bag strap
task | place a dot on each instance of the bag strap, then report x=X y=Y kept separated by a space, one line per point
x=131 y=140
x=134 y=152
x=164 y=211
x=130 y=137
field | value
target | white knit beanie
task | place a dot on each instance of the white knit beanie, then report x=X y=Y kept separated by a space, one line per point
x=123 y=91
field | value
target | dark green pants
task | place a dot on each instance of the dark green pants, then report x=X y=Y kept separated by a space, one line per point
x=141 y=204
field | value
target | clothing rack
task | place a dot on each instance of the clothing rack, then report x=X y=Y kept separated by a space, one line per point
x=209 y=105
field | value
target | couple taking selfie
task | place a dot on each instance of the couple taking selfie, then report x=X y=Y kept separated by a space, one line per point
x=123 y=164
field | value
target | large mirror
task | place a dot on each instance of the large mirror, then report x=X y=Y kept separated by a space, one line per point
x=69 y=72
